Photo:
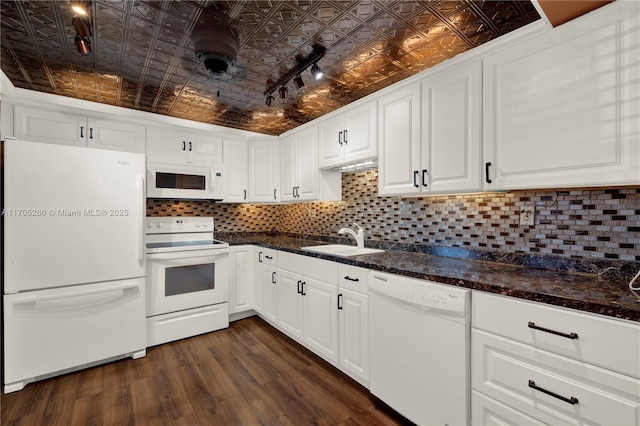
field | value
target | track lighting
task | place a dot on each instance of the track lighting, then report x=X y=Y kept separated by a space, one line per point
x=295 y=73
x=270 y=100
x=297 y=81
x=316 y=71
x=284 y=92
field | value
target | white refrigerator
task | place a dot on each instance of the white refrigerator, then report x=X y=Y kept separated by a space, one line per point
x=73 y=259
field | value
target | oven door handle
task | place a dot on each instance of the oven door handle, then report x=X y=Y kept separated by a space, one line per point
x=199 y=256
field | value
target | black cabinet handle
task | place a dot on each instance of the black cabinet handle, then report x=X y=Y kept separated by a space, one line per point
x=571 y=336
x=486 y=172
x=260 y=257
x=82 y=131
x=424 y=177
x=415 y=178
x=268 y=257
x=340 y=138
x=299 y=287
x=244 y=194
x=340 y=301
x=348 y=278
x=304 y=284
x=571 y=400
x=273 y=277
x=345 y=136
x=184 y=146
x=274 y=194
x=189 y=145
x=90 y=132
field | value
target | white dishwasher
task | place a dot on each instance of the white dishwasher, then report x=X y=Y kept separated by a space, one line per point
x=420 y=348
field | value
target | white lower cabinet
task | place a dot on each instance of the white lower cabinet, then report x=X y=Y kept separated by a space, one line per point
x=240 y=279
x=551 y=365
x=307 y=302
x=266 y=296
x=353 y=322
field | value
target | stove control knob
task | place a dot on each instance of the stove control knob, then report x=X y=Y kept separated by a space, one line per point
x=149 y=225
x=158 y=225
x=197 y=225
x=206 y=225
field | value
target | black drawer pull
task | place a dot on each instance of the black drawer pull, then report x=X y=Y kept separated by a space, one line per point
x=486 y=172
x=571 y=336
x=268 y=257
x=273 y=277
x=340 y=301
x=348 y=278
x=572 y=400
x=304 y=284
x=299 y=286
x=416 y=173
x=260 y=257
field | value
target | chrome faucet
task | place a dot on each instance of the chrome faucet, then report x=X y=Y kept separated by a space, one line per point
x=359 y=236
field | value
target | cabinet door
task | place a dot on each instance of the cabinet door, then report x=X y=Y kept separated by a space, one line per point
x=288 y=167
x=562 y=108
x=204 y=147
x=166 y=143
x=489 y=412
x=361 y=132
x=270 y=292
x=115 y=135
x=264 y=171
x=354 y=333
x=307 y=159
x=331 y=141
x=321 y=318
x=290 y=316
x=451 y=132
x=36 y=125
x=240 y=279
x=236 y=164
x=399 y=142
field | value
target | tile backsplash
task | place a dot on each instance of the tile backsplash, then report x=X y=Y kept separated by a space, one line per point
x=584 y=224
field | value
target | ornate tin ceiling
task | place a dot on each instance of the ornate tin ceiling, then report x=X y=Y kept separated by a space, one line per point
x=143 y=57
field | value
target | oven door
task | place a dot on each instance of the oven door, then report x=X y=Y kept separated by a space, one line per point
x=186 y=279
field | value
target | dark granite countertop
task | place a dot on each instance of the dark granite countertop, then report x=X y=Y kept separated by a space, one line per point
x=593 y=293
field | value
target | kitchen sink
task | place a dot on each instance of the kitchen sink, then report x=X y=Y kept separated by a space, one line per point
x=341 y=250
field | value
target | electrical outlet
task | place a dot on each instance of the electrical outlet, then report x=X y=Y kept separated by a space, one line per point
x=527 y=215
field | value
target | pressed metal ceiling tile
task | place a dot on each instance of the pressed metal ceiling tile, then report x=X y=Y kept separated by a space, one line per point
x=143 y=56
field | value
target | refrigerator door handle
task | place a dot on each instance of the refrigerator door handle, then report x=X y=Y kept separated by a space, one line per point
x=77 y=292
x=143 y=208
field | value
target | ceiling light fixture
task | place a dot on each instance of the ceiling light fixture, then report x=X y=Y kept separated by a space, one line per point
x=316 y=71
x=297 y=81
x=294 y=73
x=269 y=100
x=81 y=22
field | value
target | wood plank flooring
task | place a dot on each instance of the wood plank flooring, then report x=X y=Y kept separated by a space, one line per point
x=248 y=374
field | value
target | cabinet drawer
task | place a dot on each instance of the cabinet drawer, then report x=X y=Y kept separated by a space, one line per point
x=268 y=256
x=609 y=343
x=535 y=382
x=353 y=278
x=309 y=267
x=489 y=412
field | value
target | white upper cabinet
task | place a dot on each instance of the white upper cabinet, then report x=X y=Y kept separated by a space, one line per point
x=264 y=171
x=236 y=165
x=451 y=131
x=430 y=134
x=300 y=178
x=399 y=141
x=70 y=127
x=184 y=145
x=348 y=137
x=562 y=108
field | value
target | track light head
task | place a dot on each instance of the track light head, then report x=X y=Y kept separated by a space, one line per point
x=269 y=100
x=316 y=71
x=284 y=92
x=297 y=81
x=82 y=25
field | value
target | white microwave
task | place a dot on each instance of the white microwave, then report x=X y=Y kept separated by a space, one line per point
x=169 y=180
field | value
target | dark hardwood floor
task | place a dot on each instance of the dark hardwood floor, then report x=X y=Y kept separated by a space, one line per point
x=248 y=374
